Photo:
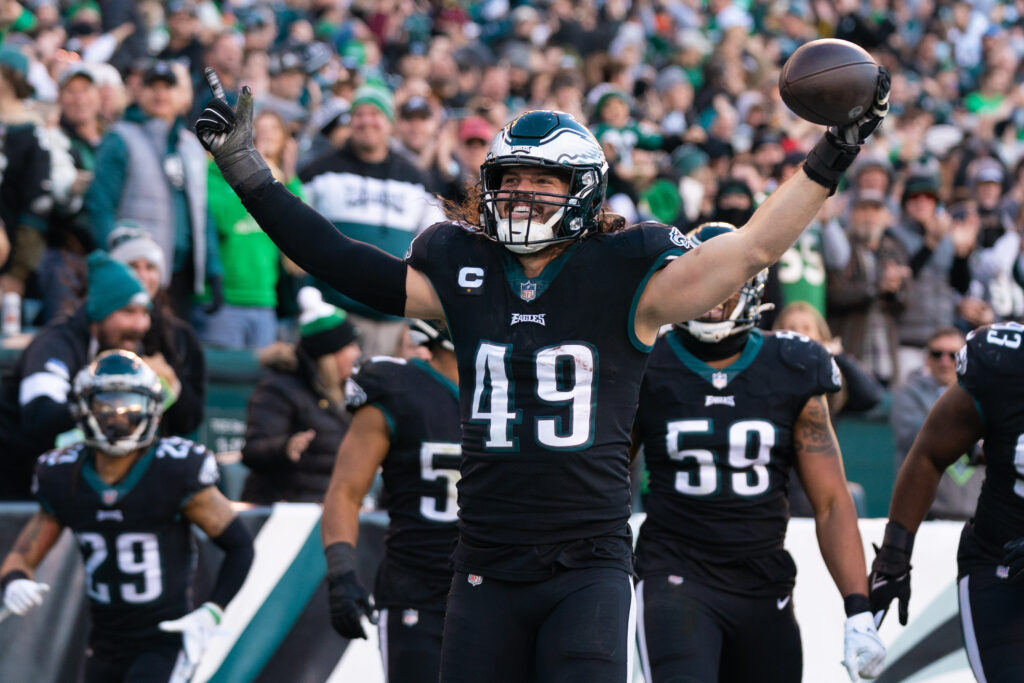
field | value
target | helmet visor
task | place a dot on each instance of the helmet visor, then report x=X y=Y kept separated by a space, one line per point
x=119 y=414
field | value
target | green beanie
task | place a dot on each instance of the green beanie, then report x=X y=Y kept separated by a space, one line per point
x=378 y=96
x=112 y=285
x=323 y=328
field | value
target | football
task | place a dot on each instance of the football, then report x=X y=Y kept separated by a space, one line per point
x=830 y=82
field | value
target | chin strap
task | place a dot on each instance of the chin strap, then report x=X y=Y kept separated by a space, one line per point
x=706 y=351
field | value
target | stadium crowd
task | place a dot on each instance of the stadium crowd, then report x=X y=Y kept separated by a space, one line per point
x=120 y=231
x=376 y=112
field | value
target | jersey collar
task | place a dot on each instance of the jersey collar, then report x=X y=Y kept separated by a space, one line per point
x=530 y=289
x=754 y=343
x=108 y=493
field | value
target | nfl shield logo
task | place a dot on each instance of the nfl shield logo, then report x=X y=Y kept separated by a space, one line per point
x=528 y=291
x=410 y=617
x=475 y=579
x=109 y=497
x=719 y=380
x=675 y=580
x=1002 y=571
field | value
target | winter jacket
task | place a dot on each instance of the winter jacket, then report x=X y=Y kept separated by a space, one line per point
x=282 y=404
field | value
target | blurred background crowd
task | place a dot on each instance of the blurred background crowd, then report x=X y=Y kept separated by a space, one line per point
x=375 y=110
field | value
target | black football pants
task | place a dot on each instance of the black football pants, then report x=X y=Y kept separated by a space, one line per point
x=992 y=620
x=575 y=627
x=690 y=633
x=410 y=644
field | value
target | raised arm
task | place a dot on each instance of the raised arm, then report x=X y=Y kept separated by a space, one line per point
x=706 y=276
x=356 y=269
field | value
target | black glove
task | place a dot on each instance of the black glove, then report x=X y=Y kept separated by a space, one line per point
x=838 y=147
x=348 y=601
x=890 y=573
x=216 y=302
x=227 y=135
x=1014 y=559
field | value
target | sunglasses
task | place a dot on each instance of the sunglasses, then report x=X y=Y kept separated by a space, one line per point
x=938 y=353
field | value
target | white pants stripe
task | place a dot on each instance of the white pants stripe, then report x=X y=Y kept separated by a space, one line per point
x=641 y=632
x=630 y=631
x=967 y=623
x=382 y=635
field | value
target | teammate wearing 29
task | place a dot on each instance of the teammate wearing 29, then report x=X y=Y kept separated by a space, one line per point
x=986 y=403
x=130 y=501
x=405 y=422
x=724 y=413
x=553 y=306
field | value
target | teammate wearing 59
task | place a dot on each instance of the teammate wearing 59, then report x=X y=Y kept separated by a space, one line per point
x=130 y=500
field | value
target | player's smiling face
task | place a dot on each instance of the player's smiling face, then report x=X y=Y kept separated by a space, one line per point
x=520 y=183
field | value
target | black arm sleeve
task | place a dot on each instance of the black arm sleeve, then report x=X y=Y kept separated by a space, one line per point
x=356 y=269
x=236 y=543
x=960 y=275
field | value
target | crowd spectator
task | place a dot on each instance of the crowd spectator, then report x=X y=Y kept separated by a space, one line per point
x=296 y=416
x=960 y=486
x=251 y=262
x=374 y=194
x=170 y=346
x=35 y=414
x=866 y=297
x=938 y=248
x=151 y=169
x=25 y=196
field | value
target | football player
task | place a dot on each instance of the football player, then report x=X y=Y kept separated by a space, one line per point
x=725 y=412
x=986 y=403
x=406 y=421
x=130 y=500
x=553 y=307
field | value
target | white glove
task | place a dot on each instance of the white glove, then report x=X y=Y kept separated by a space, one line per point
x=22 y=595
x=196 y=628
x=865 y=653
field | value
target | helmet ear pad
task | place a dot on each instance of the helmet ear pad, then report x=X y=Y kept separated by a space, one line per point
x=553 y=141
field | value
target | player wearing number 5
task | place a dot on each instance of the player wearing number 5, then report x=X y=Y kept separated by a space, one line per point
x=553 y=307
x=407 y=423
x=130 y=500
x=725 y=413
x=986 y=403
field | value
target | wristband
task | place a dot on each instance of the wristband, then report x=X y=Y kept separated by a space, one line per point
x=341 y=558
x=855 y=603
x=898 y=538
x=10 y=577
x=828 y=160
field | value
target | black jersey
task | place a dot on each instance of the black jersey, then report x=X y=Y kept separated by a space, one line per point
x=549 y=370
x=719 y=448
x=990 y=367
x=137 y=548
x=420 y=471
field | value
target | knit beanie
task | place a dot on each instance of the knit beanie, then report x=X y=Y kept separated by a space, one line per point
x=129 y=242
x=377 y=95
x=323 y=328
x=112 y=285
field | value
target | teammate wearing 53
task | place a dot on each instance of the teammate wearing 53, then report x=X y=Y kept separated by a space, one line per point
x=130 y=500
x=553 y=306
x=986 y=403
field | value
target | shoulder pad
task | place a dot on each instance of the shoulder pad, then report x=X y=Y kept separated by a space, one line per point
x=373 y=380
x=650 y=238
x=61 y=456
x=993 y=351
x=802 y=353
x=194 y=457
